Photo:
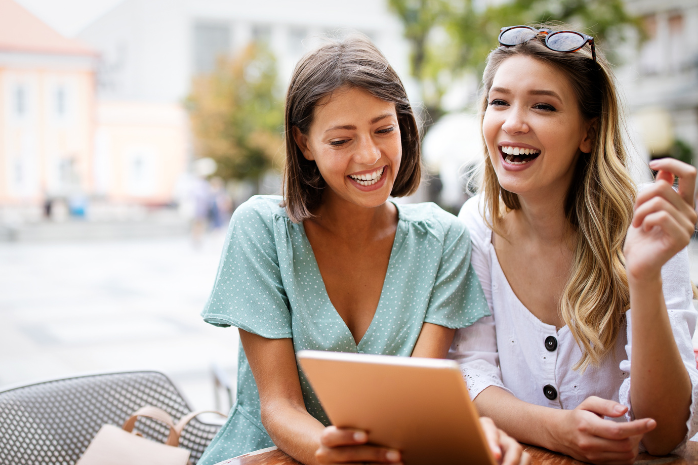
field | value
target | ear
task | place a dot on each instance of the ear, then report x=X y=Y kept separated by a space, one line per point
x=302 y=142
x=589 y=136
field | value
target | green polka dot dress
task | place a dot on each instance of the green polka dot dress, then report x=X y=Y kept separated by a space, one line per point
x=269 y=283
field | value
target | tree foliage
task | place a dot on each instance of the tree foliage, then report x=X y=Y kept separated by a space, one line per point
x=451 y=38
x=237 y=114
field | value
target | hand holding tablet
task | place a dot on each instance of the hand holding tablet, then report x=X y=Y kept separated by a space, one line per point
x=419 y=407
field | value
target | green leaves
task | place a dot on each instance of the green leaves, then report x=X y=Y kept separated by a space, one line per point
x=237 y=114
x=452 y=38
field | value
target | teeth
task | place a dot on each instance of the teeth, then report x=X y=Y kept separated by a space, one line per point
x=368 y=179
x=519 y=151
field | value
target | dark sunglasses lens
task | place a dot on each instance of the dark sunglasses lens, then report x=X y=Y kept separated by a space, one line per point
x=516 y=36
x=565 y=41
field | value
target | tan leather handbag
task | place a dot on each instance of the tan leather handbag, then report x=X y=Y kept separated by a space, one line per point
x=120 y=446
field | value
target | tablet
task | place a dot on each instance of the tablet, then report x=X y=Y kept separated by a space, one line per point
x=419 y=406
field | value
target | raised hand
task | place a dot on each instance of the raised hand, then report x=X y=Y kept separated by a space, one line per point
x=663 y=222
x=587 y=436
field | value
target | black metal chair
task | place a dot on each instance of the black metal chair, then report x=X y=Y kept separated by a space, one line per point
x=53 y=422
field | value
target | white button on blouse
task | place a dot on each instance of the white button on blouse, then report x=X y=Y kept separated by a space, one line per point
x=533 y=360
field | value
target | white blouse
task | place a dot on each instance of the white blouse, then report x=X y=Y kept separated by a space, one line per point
x=533 y=360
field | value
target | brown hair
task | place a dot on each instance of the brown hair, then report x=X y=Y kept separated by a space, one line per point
x=599 y=204
x=353 y=62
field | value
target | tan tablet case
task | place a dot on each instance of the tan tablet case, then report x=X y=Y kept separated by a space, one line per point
x=419 y=406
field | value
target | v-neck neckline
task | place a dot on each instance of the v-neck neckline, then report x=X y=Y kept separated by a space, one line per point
x=326 y=296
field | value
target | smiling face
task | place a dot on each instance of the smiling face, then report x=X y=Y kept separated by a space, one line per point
x=355 y=141
x=533 y=128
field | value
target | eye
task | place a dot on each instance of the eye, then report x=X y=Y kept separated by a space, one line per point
x=337 y=143
x=544 y=107
x=386 y=130
x=497 y=103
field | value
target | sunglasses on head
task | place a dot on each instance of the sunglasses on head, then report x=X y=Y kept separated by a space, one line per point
x=559 y=41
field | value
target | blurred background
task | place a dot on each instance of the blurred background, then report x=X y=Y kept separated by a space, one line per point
x=131 y=129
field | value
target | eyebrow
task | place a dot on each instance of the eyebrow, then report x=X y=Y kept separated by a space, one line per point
x=504 y=90
x=373 y=121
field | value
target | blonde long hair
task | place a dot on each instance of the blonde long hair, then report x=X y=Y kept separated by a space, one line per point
x=599 y=204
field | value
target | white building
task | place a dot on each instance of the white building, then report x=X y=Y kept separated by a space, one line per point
x=151 y=49
x=660 y=76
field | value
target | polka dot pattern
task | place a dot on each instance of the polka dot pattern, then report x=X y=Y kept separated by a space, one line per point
x=269 y=283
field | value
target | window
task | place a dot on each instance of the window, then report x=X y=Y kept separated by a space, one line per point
x=261 y=33
x=296 y=37
x=60 y=102
x=677 y=43
x=211 y=40
x=20 y=101
x=651 y=53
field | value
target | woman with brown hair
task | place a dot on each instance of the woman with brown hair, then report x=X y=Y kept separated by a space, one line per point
x=582 y=273
x=334 y=265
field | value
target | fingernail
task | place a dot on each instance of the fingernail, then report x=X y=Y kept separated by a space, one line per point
x=619 y=409
x=392 y=455
x=360 y=436
x=652 y=423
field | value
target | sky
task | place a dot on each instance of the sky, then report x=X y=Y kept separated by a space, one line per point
x=68 y=16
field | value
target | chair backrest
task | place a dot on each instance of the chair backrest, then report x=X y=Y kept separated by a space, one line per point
x=54 y=422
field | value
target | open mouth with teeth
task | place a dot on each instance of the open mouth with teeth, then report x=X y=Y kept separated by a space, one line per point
x=518 y=155
x=368 y=179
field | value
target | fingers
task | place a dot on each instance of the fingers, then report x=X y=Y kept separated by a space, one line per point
x=617 y=432
x=603 y=407
x=685 y=172
x=334 y=437
x=662 y=196
x=342 y=445
x=364 y=454
x=512 y=450
x=684 y=221
x=492 y=434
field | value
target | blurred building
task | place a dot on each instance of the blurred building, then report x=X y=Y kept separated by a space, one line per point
x=660 y=76
x=151 y=49
x=59 y=143
x=47 y=105
x=140 y=151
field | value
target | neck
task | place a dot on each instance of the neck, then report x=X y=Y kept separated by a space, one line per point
x=542 y=216
x=543 y=220
x=351 y=222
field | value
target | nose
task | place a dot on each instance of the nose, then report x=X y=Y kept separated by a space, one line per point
x=367 y=152
x=515 y=122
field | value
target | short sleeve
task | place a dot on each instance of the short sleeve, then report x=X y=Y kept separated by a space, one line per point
x=457 y=299
x=248 y=292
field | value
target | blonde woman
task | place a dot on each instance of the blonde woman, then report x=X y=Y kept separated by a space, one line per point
x=582 y=274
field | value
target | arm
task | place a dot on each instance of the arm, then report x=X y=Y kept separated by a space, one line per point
x=433 y=341
x=290 y=426
x=662 y=226
x=580 y=433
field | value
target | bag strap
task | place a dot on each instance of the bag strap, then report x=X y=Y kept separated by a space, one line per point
x=156 y=414
x=179 y=427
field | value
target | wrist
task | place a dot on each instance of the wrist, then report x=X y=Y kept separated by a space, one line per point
x=552 y=425
x=644 y=280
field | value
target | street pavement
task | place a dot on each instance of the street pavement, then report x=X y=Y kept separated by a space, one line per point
x=82 y=307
